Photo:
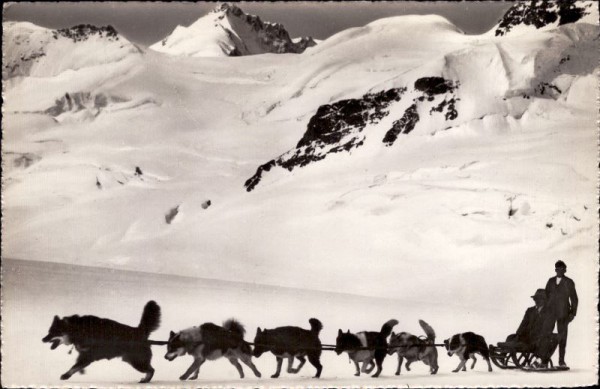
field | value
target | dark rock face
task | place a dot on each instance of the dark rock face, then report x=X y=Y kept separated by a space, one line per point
x=434 y=85
x=339 y=127
x=334 y=128
x=431 y=87
x=406 y=124
x=540 y=13
x=82 y=32
x=449 y=106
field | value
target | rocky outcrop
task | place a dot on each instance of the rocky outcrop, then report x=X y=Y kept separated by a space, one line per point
x=339 y=127
x=541 y=13
x=83 y=32
x=430 y=88
x=334 y=128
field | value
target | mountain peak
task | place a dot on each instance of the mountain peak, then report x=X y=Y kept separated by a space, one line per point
x=539 y=14
x=228 y=8
x=32 y=50
x=228 y=31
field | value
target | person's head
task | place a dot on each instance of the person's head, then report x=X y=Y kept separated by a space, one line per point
x=560 y=268
x=539 y=297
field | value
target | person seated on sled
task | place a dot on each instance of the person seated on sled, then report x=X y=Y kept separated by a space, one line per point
x=535 y=331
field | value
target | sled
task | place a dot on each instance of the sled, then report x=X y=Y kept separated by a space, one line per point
x=515 y=355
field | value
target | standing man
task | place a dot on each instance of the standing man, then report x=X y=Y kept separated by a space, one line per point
x=562 y=297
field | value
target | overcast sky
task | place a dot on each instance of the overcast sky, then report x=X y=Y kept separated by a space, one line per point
x=147 y=23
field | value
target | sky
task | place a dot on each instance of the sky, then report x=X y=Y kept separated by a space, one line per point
x=149 y=22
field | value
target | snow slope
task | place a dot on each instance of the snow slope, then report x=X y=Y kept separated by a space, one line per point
x=228 y=31
x=33 y=51
x=201 y=132
x=477 y=171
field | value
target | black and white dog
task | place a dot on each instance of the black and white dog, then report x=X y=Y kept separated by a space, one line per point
x=291 y=342
x=210 y=341
x=466 y=345
x=368 y=347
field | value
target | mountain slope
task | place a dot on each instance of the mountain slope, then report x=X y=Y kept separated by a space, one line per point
x=410 y=143
x=34 y=51
x=228 y=31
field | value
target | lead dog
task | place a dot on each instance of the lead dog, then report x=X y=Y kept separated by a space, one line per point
x=414 y=348
x=370 y=348
x=291 y=342
x=209 y=342
x=96 y=338
x=466 y=345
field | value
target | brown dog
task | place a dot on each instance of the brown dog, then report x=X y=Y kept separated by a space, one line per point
x=414 y=348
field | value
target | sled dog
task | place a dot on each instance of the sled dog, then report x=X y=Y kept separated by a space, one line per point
x=376 y=343
x=291 y=342
x=209 y=342
x=414 y=348
x=96 y=338
x=466 y=345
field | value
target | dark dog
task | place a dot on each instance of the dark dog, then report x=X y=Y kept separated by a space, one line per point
x=290 y=343
x=415 y=349
x=96 y=338
x=210 y=341
x=375 y=342
x=466 y=345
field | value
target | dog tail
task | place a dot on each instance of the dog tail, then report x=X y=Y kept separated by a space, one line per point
x=150 y=318
x=386 y=329
x=428 y=331
x=315 y=326
x=235 y=327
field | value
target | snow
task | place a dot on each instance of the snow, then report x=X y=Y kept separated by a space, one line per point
x=418 y=230
x=226 y=31
x=38 y=291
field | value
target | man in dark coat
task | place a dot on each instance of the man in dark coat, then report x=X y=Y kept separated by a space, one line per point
x=536 y=327
x=562 y=297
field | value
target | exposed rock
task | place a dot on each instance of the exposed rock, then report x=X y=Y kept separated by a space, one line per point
x=435 y=85
x=449 y=106
x=431 y=88
x=547 y=89
x=334 y=128
x=540 y=14
x=406 y=124
x=82 y=32
x=79 y=101
x=338 y=127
